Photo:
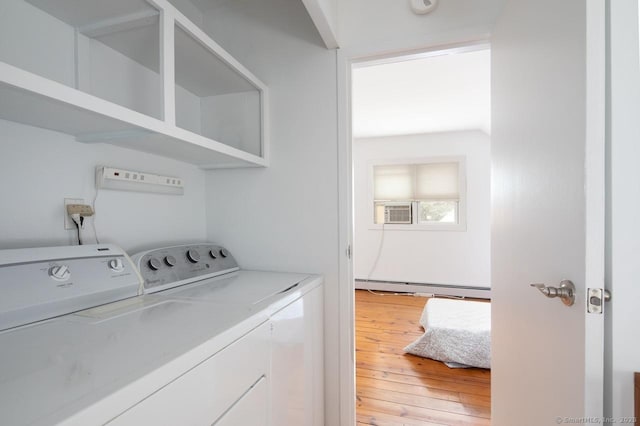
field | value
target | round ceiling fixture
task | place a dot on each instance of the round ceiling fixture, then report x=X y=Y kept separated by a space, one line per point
x=421 y=7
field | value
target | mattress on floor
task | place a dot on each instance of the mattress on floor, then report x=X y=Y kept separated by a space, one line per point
x=456 y=332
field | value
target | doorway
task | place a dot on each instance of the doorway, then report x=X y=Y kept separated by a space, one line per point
x=421 y=207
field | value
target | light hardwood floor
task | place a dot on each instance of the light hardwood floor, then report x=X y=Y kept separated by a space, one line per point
x=393 y=388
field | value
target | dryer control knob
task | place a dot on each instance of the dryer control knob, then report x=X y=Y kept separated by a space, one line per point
x=154 y=264
x=60 y=272
x=224 y=252
x=170 y=261
x=193 y=256
x=213 y=254
x=116 y=265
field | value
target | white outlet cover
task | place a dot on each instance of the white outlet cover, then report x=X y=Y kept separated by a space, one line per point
x=68 y=223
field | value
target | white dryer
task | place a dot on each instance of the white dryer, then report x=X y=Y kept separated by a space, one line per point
x=292 y=302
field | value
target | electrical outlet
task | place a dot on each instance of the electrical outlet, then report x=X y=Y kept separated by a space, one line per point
x=81 y=209
x=129 y=180
x=68 y=223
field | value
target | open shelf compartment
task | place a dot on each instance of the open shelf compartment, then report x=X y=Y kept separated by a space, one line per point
x=106 y=49
x=213 y=99
x=133 y=73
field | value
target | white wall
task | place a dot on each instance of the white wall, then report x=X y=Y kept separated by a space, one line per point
x=40 y=168
x=111 y=75
x=233 y=118
x=623 y=348
x=391 y=25
x=432 y=257
x=285 y=217
x=46 y=47
x=189 y=9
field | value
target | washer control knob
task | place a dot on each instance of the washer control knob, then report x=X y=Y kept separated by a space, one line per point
x=213 y=254
x=116 y=265
x=154 y=264
x=224 y=252
x=170 y=261
x=193 y=256
x=60 y=272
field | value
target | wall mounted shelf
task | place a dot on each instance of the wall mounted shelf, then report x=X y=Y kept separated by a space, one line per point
x=134 y=74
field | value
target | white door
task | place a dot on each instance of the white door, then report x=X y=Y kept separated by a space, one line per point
x=547 y=211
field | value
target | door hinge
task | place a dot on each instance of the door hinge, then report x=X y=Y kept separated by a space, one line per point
x=596 y=299
x=348 y=251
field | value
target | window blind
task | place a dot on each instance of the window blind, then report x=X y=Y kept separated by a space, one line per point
x=437 y=181
x=405 y=182
x=393 y=182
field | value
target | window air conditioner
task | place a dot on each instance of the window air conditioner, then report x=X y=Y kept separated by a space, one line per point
x=397 y=213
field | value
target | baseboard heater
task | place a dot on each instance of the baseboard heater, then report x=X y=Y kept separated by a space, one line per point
x=426 y=289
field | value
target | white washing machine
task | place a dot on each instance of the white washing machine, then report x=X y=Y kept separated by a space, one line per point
x=83 y=342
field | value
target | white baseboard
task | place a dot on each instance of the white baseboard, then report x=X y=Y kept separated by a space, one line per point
x=425 y=289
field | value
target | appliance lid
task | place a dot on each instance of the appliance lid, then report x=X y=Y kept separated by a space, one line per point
x=53 y=369
x=240 y=288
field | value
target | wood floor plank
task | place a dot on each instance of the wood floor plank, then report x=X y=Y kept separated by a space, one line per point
x=409 y=300
x=396 y=348
x=424 y=391
x=390 y=319
x=480 y=400
x=445 y=383
x=377 y=333
x=419 y=413
x=394 y=388
x=397 y=324
x=370 y=310
x=400 y=338
x=370 y=417
x=413 y=400
x=417 y=366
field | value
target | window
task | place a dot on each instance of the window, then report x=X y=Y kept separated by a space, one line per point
x=425 y=195
x=438 y=212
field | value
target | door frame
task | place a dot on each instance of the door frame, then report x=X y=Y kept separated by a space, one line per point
x=346 y=59
x=594 y=175
x=595 y=199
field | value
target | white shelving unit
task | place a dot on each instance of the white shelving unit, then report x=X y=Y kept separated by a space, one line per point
x=133 y=73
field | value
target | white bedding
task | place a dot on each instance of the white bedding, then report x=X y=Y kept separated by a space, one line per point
x=456 y=332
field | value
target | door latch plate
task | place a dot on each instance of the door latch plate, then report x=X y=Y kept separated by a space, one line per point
x=595 y=301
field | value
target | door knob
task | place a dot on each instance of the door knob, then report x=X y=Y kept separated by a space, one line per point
x=566 y=292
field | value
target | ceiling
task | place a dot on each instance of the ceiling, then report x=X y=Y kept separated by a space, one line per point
x=449 y=92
